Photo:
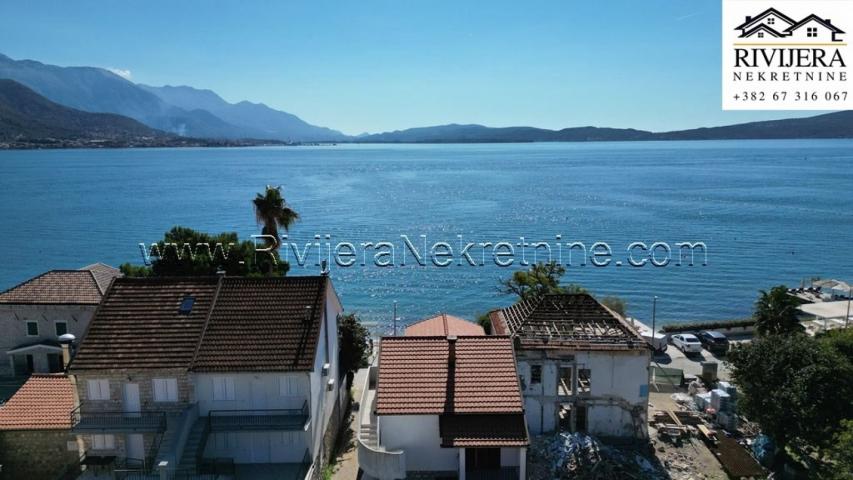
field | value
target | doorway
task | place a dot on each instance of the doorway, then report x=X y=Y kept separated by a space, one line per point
x=54 y=362
x=482 y=459
x=135 y=449
x=130 y=400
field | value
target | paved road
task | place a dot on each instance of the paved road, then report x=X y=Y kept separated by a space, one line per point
x=675 y=358
x=346 y=466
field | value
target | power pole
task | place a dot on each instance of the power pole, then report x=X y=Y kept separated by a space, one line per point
x=395 y=318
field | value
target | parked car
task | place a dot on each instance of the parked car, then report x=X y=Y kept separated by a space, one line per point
x=714 y=342
x=687 y=343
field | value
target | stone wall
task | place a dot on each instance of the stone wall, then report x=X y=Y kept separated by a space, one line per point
x=143 y=378
x=337 y=423
x=36 y=454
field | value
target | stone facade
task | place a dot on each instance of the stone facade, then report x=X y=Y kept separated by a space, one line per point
x=13 y=324
x=143 y=378
x=36 y=454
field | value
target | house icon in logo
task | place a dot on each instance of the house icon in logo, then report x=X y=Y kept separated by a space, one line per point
x=772 y=23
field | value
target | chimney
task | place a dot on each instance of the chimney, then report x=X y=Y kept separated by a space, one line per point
x=220 y=272
x=324 y=268
x=450 y=390
x=451 y=355
x=66 y=341
x=748 y=19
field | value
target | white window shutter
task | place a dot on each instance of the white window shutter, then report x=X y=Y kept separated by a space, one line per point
x=172 y=389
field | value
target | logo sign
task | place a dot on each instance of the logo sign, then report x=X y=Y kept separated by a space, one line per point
x=787 y=54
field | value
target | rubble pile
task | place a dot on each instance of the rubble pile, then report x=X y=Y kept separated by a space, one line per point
x=583 y=457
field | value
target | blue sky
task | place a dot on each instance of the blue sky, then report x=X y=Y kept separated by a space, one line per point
x=384 y=65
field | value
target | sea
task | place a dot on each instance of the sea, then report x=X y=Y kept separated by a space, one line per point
x=701 y=225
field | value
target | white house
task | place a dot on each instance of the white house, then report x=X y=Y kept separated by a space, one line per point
x=445 y=406
x=582 y=367
x=35 y=313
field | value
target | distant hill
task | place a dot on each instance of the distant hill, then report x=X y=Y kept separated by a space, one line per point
x=454 y=133
x=26 y=115
x=258 y=119
x=98 y=90
x=831 y=125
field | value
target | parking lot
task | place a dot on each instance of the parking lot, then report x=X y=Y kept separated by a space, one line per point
x=691 y=364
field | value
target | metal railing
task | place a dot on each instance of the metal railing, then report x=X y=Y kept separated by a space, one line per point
x=275 y=419
x=116 y=421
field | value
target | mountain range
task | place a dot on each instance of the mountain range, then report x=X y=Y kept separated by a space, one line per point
x=171 y=112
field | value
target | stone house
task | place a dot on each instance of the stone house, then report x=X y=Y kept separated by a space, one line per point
x=215 y=375
x=36 y=312
x=35 y=430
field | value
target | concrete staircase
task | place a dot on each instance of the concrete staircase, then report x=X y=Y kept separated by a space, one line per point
x=369 y=435
x=196 y=441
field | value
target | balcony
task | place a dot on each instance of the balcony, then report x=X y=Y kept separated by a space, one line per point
x=116 y=422
x=258 y=420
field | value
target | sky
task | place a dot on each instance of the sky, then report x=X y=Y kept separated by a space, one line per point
x=377 y=65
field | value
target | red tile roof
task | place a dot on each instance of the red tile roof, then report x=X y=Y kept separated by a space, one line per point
x=443 y=325
x=44 y=402
x=139 y=326
x=235 y=325
x=58 y=287
x=413 y=376
x=483 y=430
x=103 y=273
x=556 y=321
x=263 y=324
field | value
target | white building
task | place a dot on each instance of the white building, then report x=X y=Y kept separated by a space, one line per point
x=35 y=313
x=582 y=366
x=227 y=376
x=444 y=407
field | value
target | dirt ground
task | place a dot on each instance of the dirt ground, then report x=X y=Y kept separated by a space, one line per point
x=691 y=460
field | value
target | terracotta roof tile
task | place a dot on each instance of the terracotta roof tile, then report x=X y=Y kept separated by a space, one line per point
x=58 y=287
x=565 y=320
x=413 y=376
x=103 y=273
x=483 y=430
x=263 y=324
x=44 y=402
x=443 y=325
x=139 y=325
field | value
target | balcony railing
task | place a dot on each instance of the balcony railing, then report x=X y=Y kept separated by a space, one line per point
x=110 y=421
x=236 y=420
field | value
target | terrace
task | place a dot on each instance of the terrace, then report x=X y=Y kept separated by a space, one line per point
x=258 y=420
x=116 y=422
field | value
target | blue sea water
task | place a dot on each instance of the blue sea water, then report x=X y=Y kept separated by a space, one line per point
x=770 y=212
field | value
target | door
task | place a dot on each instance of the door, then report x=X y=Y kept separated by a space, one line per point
x=30 y=364
x=259 y=395
x=260 y=447
x=135 y=449
x=482 y=459
x=54 y=362
x=130 y=400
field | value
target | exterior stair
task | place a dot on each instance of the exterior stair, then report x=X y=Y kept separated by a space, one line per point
x=369 y=435
x=194 y=447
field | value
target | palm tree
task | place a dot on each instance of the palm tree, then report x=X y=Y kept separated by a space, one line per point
x=273 y=212
x=776 y=312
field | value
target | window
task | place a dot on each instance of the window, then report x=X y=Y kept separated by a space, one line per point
x=771 y=21
x=103 y=442
x=584 y=380
x=165 y=390
x=61 y=328
x=99 y=389
x=223 y=388
x=760 y=34
x=33 y=329
x=811 y=32
x=186 y=305
x=288 y=387
x=535 y=374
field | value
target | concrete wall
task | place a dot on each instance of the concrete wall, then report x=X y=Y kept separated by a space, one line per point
x=418 y=436
x=258 y=447
x=253 y=391
x=618 y=389
x=13 y=324
x=36 y=454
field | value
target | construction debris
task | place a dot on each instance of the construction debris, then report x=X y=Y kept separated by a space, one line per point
x=582 y=457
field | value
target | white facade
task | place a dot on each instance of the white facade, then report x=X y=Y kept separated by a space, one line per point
x=419 y=437
x=613 y=405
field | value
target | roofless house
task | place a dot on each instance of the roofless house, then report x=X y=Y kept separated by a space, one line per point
x=582 y=367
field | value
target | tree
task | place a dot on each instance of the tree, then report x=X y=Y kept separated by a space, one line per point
x=776 y=312
x=187 y=252
x=485 y=322
x=272 y=211
x=355 y=345
x=540 y=279
x=796 y=388
x=841 y=453
x=616 y=304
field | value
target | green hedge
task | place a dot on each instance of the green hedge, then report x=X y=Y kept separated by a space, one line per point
x=712 y=325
